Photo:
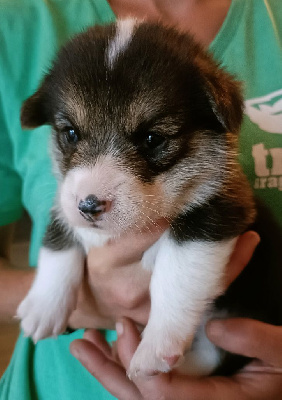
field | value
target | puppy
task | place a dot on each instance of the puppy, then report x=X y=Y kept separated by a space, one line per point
x=145 y=126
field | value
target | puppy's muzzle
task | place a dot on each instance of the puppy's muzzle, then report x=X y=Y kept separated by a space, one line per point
x=91 y=207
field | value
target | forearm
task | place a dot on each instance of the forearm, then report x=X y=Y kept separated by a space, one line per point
x=14 y=285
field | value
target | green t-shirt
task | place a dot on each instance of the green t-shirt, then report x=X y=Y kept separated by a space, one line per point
x=249 y=45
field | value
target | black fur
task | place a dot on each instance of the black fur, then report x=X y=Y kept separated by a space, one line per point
x=256 y=293
x=216 y=220
x=191 y=104
x=57 y=236
x=195 y=95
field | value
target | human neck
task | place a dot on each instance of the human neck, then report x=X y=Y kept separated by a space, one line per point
x=203 y=18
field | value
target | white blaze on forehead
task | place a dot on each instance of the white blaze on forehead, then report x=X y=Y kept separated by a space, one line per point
x=124 y=31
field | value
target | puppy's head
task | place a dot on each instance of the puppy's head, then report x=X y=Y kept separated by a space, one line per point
x=143 y=124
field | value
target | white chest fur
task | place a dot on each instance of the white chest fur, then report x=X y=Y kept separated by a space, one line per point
x=91 y=237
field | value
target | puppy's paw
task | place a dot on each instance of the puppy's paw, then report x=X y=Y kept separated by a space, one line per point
x=43 y=317
x=152 y=357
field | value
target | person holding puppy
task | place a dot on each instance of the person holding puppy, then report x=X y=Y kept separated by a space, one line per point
x=48 y=370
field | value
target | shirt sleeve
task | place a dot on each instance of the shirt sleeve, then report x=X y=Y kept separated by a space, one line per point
x=10 y=183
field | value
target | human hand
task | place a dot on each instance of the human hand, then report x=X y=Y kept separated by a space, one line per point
x=260 y=380
x=241 y=256
x=115 y=284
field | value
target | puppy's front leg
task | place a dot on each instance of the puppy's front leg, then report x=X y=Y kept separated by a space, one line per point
x=186 y=278
x=46 y=308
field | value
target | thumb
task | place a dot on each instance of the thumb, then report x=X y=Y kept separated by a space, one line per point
x=128 y=340
x=248 y=337
x=128 y=248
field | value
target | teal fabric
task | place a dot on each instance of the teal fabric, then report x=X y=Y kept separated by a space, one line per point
x=248 y=45
x=48 y=371
x=31 y=31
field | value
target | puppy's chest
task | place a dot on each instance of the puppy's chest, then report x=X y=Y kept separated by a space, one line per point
x=90 y=237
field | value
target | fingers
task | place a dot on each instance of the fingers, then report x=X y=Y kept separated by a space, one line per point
x=166 y=386
x=97 y=338
x=128 y=340
x=242 y=254
x=171 y=386
x=106 y=371
x=128 y=248
x=249 y=338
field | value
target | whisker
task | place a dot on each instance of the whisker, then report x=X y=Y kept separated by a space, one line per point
x=151 y=220
x=168 y=219
x=138 y=227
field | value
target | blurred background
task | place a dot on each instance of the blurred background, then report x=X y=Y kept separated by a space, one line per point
x=9 y=331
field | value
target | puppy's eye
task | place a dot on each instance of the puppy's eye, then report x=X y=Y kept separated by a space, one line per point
x=71 y=135
x=153 y=140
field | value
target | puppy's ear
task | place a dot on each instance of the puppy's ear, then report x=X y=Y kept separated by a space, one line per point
x=34 y=110
x=225 y=99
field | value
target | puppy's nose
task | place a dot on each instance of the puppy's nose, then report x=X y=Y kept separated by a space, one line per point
x=92 y=205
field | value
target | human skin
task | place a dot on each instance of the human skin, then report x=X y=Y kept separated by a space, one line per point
x=192 y=15
x=102 y=301
x=260 y=380
x=115 y=284
x=120 y=284
x=187 y=15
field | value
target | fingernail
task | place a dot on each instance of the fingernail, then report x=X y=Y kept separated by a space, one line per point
x=119 y=328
